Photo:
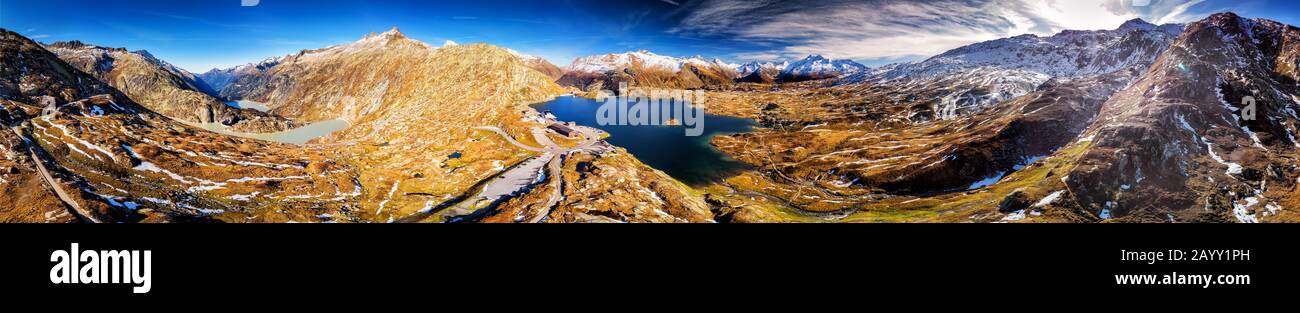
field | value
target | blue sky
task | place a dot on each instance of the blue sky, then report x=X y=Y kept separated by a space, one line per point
x=200 y=35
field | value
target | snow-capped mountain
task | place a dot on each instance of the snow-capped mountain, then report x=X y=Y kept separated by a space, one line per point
x=218 y=79
x=760 y=72
x=989 y=72
x=716 y=62
x=638 y=59
x=1070 y=53
x=816 y=67
x=754 y=66
x=648 y=69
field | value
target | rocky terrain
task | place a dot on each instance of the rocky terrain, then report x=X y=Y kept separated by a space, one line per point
x=1185 y=143
x=1125 y=131
x=81 y=150
x=88 y=152
x=540 y=65
x=1142 y=123
x=971 y=77
x=225 y=82
x=162 y=87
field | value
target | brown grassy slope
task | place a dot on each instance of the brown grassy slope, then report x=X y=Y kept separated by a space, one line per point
x=545 y=67
x=411 y=107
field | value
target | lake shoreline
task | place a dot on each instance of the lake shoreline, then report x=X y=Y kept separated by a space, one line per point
x=693 y=160
x=297 y=136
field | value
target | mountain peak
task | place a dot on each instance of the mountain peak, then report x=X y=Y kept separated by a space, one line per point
x=1138 y=21
x=818 y=67
x=394 y=32
x=73 y=44
x=1135 y=24
x=1227 y=20
x=1223 y=15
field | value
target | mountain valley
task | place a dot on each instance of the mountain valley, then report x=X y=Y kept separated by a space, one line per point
x=1141 y=123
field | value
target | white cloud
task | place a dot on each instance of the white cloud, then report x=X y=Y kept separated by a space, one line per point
x=893 y=29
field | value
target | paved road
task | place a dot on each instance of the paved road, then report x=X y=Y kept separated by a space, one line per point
x=525 y=175
x=557 y=185
x=510 y=139
x=502 y=187
x=539 y=134
x=49 y=180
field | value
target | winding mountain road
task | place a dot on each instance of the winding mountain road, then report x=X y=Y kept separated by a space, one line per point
x=509 y=138
x=524 y=175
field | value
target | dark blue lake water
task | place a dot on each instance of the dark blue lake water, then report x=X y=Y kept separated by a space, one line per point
x=691 y=160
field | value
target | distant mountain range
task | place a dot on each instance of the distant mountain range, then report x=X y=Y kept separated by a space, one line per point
x=162 y=87
x=816 y=67
x=647 y=69
x=989 y=72
x=1142 y=123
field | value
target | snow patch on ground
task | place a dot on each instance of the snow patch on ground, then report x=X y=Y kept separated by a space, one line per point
x=1014 y=216
x=987 y=181
x=150 y=167
x=1027 y=162
x=428 y=207
x=387 y=198
x=840 y=183
x=263 y=179
x=1183 y=123
x=1049 y=199
x=1273 y=208
x=68 y=133
x=1233 y=168
x=1241 y=210
x=244 y=198
x=74 y=148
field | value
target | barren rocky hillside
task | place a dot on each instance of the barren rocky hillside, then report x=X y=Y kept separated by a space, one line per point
x=162 y=87
x=1143 y=123
x=1156 y=140
x=89 y=153
x=419 y=151
x=1185 y=143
